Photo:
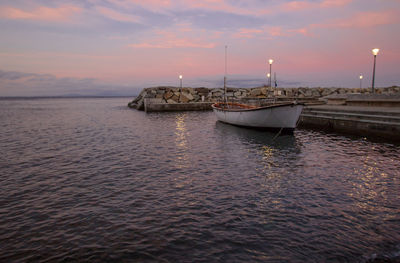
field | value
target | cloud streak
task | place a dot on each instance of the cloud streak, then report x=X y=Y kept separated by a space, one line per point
x=14 y=83
x=59 y=14
x=136 y=41
x=365 y=19
x=307 y=5
x=171 y=39
x=117 y=16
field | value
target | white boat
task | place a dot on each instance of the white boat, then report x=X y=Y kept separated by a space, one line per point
x=283 y=116
x=276 y=116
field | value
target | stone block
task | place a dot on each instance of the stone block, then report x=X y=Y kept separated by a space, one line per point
x=264 y=90
x=168 y=95
x=183 y=99
x=174 y=98
x=188 y=90
x=255 y=92
x=160 y=91
x=187 y=95
x=202 y=90
x=217 y=94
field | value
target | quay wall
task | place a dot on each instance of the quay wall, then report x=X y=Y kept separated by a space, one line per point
x=186 y=98
x=382 y=122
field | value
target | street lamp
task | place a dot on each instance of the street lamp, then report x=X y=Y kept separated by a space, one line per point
x=375 y=52
x=269 y=77
x=270 y=61
x=361 y=77
x=180 y=78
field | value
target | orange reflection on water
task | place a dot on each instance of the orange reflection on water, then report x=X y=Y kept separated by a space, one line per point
x=372 y=185
x=181 y=143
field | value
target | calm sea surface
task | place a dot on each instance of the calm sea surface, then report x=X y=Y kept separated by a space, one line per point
x=91 y=180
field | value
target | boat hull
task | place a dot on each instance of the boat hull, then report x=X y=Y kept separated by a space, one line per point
x=284 y=116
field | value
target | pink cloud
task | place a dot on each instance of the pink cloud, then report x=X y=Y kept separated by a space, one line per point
x=225 y=6
x=216 y=35
x=148 y=3
x=297 y=5
x=304 y=5
x=114 y=15
x=154 y=5
x=176 y=39
x=184 y=27
x=166 y=6
x=363 y=19
x=302 y=31
x=275 y=31
x=247 y=33
x=176 y=43
x=367 y=19
x=334 y=3
x=58 y=14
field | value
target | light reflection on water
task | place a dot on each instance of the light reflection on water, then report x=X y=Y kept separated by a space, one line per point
x=89 y=179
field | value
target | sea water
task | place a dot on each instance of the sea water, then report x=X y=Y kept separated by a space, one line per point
x=88 y=179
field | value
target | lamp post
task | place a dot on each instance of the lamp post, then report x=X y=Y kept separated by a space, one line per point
x=361 y=77
x=270 y=61
x=375 y=52
x=180 y=78
x=268 y=77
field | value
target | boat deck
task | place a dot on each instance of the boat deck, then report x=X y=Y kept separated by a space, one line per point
x=232 y=106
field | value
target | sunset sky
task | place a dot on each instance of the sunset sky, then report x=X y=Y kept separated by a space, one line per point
x=117 y=47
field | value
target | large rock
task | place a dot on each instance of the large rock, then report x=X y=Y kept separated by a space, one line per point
x=255 y=92
x=168 y=95
x=185 y=97
x=315 y=93
x=174 y=99
x=188 y=90
x=229 y=94
x=264 y=91
x=202 y=91
x=151 y=95
x=326 y=92
x=217 y=94
x=216 y=91
x=189 y=96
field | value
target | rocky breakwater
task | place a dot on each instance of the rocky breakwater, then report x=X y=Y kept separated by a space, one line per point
x=169 y=95
x=186 y=95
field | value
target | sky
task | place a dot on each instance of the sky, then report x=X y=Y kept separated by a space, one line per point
x=118 y=47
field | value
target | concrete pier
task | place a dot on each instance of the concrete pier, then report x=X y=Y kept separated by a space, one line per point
x=356 y=116
x=155 y=106
x=349 y=111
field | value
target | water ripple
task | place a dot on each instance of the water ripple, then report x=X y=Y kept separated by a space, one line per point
x=91 y=180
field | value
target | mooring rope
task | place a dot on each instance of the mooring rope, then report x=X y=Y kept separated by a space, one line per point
x=277 y=134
